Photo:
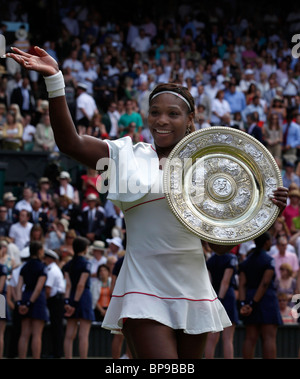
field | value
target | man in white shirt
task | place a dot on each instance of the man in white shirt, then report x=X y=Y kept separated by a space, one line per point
x=20 y=231
x=86 y=106
x=87 y=76
x=25 y=203
x=73 y=63
x=141 y=43
x=55 y=289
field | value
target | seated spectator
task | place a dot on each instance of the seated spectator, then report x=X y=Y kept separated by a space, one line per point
x=67 y=246
x=252 y=126
x=44 y=137
x=28 y=133
x=255 y=107
x=273 y=136
x=286 y=283
x=37 y=233
x=66 y=188
x=4 y=223
x=20 y=231
x=292 y=209
x=285 y=310
x=279 y=228
x=128 y=117
x=12 y=133
x=115 y=245
x=289 y=176
x=89 y=184
x=97 y=250
x=9 y=201
x=38 y=215
x=235 y=98
x=291 y=139
x=285 y=256
x=93 y=220
x=56 y=234
x=43 y=193
x=219 y=108
x=25 y=202
x=278 y=109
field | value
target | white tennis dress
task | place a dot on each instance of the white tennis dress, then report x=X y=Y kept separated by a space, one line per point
x=164 y=275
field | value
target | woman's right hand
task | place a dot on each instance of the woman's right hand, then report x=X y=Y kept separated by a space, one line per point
x=42 y=62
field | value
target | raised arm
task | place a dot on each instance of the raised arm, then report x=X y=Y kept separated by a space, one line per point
x=85 y=149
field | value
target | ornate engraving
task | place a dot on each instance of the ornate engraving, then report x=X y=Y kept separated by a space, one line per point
x=225 y=196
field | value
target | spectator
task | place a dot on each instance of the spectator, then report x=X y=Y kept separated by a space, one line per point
x=255 y=107
x=292 y=209
x=56 y=234
x=128 y=117
x=9 y=201
x=28 y=133
x=236 y=99
x=203 y=99
x=87 y=76
x=114 y=246
x=273 y=136
x=38 y=216
x=23 y=97
x=253 y=129
x=25 y=202
x=44 y=137
x=86 y=106
x=285 y=309
x=20 y=231
x=219 y=108
x=73 y=63
x=97 y=250
x=289 y=176
x=12 y=133
x=4 y=223
x=285 y=283
x=93 y=220
x=66 y=188
x=291 y=139
x=141 y=43
x=100 y=289
x=285 y=256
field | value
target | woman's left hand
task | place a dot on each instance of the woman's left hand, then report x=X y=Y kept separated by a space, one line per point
x=280 y=198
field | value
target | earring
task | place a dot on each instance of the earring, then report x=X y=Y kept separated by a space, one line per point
x=188 y=130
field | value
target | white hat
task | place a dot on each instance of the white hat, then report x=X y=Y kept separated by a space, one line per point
x=64 y=175
x=249 y=71
x=98 y=245
x=92 y=197
x=9 y=196
x=116 y=241
x=50 y=253
x=82 y=86
x=65 y=223
x=25 y=253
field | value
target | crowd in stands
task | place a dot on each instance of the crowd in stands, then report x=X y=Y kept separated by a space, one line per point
x=239 y=69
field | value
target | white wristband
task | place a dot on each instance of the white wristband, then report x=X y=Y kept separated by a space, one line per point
x=55 y=85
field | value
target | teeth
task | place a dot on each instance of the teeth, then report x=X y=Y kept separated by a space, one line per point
x=163 y=131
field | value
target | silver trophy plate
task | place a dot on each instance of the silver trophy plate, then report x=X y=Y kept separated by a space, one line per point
x=219 y=183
